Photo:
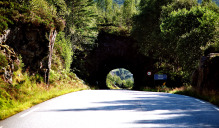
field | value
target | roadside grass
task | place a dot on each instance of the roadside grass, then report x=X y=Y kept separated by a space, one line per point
x=207 y=95
x=113 y=87
x=27 y=91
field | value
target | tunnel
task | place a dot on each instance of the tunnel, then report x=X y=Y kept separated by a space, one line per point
x=114 y=51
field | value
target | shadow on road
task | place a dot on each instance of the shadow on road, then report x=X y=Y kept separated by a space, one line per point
x=157 y=110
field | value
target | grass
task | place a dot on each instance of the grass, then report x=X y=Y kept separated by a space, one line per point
x=27 y=91
x=211 y=96
x=207 y=95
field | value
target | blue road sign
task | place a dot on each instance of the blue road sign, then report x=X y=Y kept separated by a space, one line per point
x=160 y=77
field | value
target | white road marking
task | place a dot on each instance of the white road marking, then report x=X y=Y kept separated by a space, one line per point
x=216 y=108
x=200 y=101
x=25 y=114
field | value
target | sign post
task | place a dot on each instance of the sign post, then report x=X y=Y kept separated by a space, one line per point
x=161 y=77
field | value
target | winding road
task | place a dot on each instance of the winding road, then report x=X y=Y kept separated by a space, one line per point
x=117 y=109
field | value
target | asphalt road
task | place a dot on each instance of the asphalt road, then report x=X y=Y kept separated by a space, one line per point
x=117 y=109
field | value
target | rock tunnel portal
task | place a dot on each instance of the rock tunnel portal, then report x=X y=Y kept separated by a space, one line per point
x=117 y=52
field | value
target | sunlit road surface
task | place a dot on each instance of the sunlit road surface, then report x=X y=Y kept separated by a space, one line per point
x=117 y=109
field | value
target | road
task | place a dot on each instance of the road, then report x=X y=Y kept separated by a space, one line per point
x=117 y=109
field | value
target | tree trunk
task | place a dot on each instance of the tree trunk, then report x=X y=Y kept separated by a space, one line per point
x=52 y=38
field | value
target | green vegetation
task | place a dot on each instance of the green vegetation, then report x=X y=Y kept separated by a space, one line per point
x=209 y=96
x=26 y=90
x=35 y=12
x=175 y=32
x=116 y=16
x=3 y=61
x=120 y=78
x=63 y=48
x=178 y=33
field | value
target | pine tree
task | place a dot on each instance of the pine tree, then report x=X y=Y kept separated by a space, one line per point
x=128 y=11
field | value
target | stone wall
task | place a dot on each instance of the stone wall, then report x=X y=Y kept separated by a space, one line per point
x=206 y=77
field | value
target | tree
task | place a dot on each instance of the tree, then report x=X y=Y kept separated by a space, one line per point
x=81 y=24
x=64 y=48
x=129 y=10
x=129 y=83
x=117 y=15
x=60 y=7
x=188 y=30
x=173 y=31
x=146 y=26
x=81 y=18
x=105 y=7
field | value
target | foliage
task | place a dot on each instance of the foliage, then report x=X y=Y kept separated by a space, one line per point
x=58 y=63
x=3 y=61
x=146 y=26
x=33 y=12
x=129 y=9
x=207 y=95
x=4 y=23
x=26 y=90
x=105 y=7
x=122 y=73
x=81 y=19
x=188 y=30
x=176 y=32
x=64 y=48
x=121 y=78
x=114 y=16
x=81 y=28
x=59 y=6
x=176 y=5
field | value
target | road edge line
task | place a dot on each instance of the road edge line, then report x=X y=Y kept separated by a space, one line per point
x=27 y=113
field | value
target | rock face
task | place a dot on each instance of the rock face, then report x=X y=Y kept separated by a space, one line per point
x=34 y=44
x=12 y=64
x=206 y=77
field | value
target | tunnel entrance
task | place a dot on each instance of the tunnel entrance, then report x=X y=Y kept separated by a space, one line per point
x=120 y=79
x=112 y=52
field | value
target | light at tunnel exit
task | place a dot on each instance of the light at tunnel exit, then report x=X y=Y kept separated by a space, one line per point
x=120 y=78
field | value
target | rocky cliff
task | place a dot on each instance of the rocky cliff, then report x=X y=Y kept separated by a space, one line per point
x=9 y=62
x=34 y=44
x=206 y=77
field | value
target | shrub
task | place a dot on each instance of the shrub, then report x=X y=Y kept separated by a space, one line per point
x=64 y=48
x=3 y=61
x=37 y=13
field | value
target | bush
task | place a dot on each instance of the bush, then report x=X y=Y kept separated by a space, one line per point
x=38 y=13
x=64 y=48
x=3 y=61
